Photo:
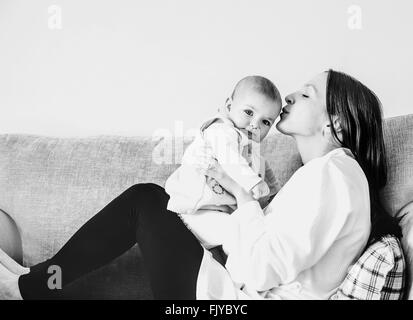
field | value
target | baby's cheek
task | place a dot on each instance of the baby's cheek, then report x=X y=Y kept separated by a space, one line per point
x=241 y=123
x=263 y=134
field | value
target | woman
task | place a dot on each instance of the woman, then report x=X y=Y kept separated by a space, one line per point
x=299 y=246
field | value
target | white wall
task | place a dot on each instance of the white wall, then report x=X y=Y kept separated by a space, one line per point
x=134 y=67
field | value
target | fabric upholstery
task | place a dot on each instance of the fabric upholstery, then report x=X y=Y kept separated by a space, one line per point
x=10 y=241
x=406 y=223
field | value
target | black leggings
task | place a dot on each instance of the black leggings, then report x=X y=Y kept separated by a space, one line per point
x=171 y=253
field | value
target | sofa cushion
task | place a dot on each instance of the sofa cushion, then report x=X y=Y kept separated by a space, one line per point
x=398 y=135
x=379 y=274
x=10 y=241
x=50 y=186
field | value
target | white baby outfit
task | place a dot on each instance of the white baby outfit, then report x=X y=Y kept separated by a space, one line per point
x=193 y=194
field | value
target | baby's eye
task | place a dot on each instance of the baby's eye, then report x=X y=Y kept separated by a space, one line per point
x=249 y=112
x=266 y=122
x=305 y=96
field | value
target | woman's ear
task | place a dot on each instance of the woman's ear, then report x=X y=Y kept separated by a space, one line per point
x=335 y=123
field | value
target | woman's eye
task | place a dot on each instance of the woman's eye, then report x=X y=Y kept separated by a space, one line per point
x=248 y=112
x=267 y=123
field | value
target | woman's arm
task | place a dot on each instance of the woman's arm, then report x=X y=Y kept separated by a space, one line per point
x=265 y=250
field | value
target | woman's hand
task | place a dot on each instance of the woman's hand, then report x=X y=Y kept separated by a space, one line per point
x=206 y=164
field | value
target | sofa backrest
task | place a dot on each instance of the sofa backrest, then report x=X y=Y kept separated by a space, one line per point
x=51 y=186
x=399 y=188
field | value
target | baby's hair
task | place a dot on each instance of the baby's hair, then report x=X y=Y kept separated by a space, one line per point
x=261 y=84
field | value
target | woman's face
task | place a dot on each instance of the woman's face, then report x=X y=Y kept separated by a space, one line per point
x=305 y=113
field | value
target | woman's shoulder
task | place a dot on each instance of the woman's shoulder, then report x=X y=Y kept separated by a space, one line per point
x=335 y=179
x=338 y=159
x=338 y=166
x=342 y=160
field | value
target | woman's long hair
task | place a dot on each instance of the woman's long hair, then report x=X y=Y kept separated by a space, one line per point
x=360 y=115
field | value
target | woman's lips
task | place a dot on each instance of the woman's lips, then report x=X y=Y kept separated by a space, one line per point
x=284 y=111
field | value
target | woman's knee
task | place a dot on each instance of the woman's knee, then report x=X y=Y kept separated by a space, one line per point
x=147 y=190
x=148 y=195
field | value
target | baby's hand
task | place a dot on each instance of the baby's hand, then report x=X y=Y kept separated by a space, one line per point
x=260 y=190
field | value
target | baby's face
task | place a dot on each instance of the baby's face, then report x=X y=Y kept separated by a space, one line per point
x=253 y=113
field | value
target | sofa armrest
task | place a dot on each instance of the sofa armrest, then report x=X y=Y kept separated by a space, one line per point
x=10 y=241
x=405 y=216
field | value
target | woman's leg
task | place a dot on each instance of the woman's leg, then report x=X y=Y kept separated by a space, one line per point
x=172 y=255
x=11 y=264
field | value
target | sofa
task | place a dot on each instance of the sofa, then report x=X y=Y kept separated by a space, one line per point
x=51 y=186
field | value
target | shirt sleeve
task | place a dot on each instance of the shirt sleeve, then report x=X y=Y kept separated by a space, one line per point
x=266 y=250
x=225 y=145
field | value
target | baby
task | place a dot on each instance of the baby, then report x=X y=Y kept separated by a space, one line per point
x=234 y=136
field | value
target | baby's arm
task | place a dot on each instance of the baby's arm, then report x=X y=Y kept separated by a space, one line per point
x=225 y=145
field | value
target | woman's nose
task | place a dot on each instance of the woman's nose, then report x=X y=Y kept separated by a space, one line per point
x=289 y=99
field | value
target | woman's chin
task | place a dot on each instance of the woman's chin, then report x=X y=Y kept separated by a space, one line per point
x=281 y=127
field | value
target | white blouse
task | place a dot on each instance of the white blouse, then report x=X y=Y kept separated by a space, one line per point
x=302 y=244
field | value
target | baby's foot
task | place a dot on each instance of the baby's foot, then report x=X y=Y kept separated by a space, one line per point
x=12 y=265
x=9 y=287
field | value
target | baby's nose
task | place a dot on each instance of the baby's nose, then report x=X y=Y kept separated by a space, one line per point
x=253 y=126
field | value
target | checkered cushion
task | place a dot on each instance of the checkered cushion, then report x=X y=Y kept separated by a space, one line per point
x=379 y=274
